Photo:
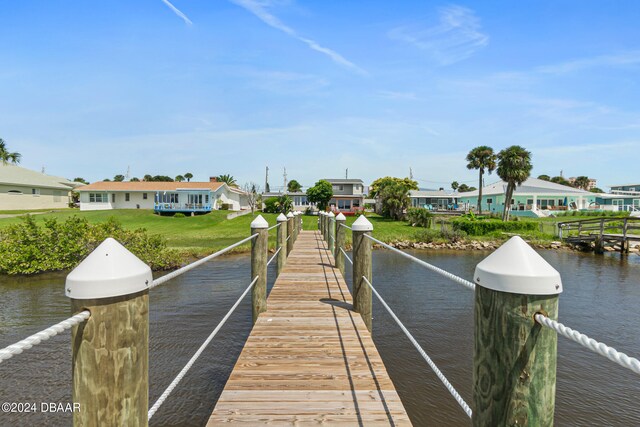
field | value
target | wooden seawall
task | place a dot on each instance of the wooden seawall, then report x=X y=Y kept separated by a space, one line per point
x=309 y=359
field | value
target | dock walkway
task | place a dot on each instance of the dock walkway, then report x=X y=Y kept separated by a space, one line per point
x=309 y=359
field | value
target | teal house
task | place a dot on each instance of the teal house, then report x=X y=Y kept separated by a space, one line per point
x=534 y=198
x=624 y=197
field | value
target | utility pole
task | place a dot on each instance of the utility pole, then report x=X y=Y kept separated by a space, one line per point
x=266 y=181
x=284 y=190
x=126 y=178
x=346 y=173
x=410 y=173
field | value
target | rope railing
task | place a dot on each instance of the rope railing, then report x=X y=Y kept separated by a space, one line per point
x=199 y=262
x=273 y=226
x=346 y=256
x=593 y=345
x=274 y=256
x=346 y=226
x=37 y=338
x=197 y=354
x=425 y=356
x=431 y=267
x=288 y=237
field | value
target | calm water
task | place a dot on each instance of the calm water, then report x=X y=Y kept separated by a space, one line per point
x=601 y=298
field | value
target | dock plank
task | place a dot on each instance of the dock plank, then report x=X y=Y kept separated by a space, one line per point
x=309 y=359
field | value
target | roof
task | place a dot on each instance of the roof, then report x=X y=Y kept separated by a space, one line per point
x=150 y=186
x=530 y=186
x=624 y=185
x=430 y=193
x=345 y=181
x=17 y=175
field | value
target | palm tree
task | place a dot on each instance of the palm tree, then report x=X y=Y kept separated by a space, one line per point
x=514 y=167
x=481 y=158
x=228 y=179
x=582 y=182
x=188 y=175
x=179 y=178
x=293 y=186
x=455 y=185
x=6 y=156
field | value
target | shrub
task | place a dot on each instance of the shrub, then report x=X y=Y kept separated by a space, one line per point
x=26 y=248
x=427 y=235
x=271 y=205
x=420 y=217
x=179 y=215
x=483 y=227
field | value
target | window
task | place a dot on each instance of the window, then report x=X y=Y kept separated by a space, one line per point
x=113 y=197
x=127 y=196
x=144 y=196
x=489 y=201
x=35 y=191
x=206 y=198
x=344 y=204
x=57 y=196
x=529 y=201
x=97 y=198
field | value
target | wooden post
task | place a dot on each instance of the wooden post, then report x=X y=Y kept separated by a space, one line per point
x=331 y=233
x=289 y=233
x=259 y=247
x=110 y=351
x=323 y=220
x=281 y=243
x=362 y=302
x=514 y=365
x=340 y=238
x=294 y=221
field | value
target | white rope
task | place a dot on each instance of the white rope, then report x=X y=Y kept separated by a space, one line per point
x=593 y=345
x=346 y=256
x=331 y=236
x=424 y=355
x=195 y=264
x=197 y=354
x=346 y=226
x=273 y=226
x=37 y=338
x=433 y=268
x=288 y=237
x=274 y=256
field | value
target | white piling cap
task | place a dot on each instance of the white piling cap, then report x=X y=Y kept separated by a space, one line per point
x=362 y=224
x=331 y=215
x=281 y=218
x=516 y=268
x=259 y=222
x=109 y=271
x=341 y=217
x=289 y=215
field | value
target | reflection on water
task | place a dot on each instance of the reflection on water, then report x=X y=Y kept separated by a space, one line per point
x=590 y=389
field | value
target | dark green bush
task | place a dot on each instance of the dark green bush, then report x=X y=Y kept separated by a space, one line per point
x=486 y=226
x=271 y=205
x=420 y=217
x=179 y=215
x=26 y=248
x=426 y=236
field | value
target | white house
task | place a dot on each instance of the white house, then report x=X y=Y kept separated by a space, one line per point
x=24 y=189
x=162 y=196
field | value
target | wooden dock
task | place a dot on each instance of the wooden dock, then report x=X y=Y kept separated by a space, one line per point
x=310 y=359
x=616 y=233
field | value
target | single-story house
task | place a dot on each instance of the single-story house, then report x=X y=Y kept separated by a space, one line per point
x=24 y=189
x=433 y=199
x=624 y=197
x=530 y=198
x=299 y=198
x=162 y=196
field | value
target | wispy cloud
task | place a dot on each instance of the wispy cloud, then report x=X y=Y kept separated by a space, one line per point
x=259 y=9
x=456 y=37
x=617 y=60
x=389 y=94
x=177 y=12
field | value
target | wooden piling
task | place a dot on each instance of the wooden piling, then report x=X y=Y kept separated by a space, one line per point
x=331 y=233
x=514 y=365
x=110 y=351
x=289 y=233
x=281 y=243
x=362 y=251
x=340 y=239
x=259 y=247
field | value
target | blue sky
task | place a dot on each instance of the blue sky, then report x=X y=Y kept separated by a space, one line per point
x=231 y=86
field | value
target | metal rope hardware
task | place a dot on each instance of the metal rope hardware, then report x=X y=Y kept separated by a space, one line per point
x=197 y=354
x=195 y=264
x=433 y=268
x=593 y=345
x=424 y=355
x=37 y=338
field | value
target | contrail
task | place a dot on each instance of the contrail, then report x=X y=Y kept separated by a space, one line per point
x=258 y=9
x=177 y=12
